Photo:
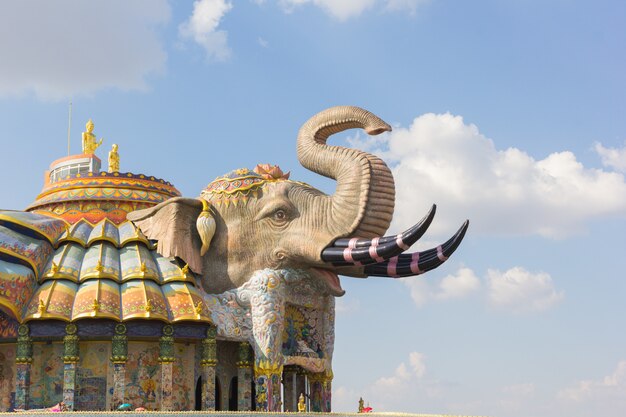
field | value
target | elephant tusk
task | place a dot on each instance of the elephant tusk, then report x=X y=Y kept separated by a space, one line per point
x=417 y=263
x=356 y=252
x=419 y=229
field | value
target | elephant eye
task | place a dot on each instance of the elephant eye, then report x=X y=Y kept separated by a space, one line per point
x=280 y=215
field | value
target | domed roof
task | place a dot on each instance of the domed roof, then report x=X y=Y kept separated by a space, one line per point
x=75 y=189
x=73 y=255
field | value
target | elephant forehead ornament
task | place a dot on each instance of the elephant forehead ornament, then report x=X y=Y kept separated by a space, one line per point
x=247 y=221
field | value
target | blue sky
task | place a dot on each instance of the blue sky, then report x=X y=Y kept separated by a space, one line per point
x=509 y=113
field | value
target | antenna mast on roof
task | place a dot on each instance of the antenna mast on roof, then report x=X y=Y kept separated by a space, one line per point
x=69 y=126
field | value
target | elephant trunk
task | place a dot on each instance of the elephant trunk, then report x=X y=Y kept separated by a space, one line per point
x=363 y=203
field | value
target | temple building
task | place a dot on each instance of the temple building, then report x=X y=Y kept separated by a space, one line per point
x=92 y=315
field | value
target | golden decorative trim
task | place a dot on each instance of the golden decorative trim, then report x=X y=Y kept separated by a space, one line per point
x=267 y=368
x=13 y=309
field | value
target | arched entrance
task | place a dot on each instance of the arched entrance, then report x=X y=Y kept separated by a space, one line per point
x=232 y=394
x=218 y=394
x=253 y=391
x=198 y=406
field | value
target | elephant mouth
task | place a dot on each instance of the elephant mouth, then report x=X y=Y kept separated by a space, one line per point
x=332 y=281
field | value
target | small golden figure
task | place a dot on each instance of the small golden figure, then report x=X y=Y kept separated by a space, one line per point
x=198 y=308
x=361 y=405
x=42 y=307
x=90 y=143
x=301 y=404
x=114 y=160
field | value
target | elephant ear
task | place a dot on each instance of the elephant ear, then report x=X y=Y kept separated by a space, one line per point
x=173 y=225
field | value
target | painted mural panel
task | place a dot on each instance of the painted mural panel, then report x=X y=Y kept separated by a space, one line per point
x=7 y=377
x=143 y=375
x=91 y=376
x=46 y=388
x=303 y=334
x=183 y=377
x=8 y=326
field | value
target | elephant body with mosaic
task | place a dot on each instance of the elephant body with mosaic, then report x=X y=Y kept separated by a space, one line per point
x=251 y=232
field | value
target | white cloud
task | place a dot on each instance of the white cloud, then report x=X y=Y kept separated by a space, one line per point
x=604 y=396
x=459 y=285
x=612 y=157
x=516 y=289
x=346 y=9
x=405 y=5
x=390 y=388
x=417 y=361
x=339 y=9
x=263 y=43
x=202 y=27
x=389 y=393
x=441 y=159
x=521 y=291
x=67 y=48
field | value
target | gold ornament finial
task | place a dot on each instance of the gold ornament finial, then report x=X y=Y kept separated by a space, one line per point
x=95 y=306
x=54 y=268
x=42 y=307
x=205 y=224
x=90 y=143
x=148 y=306
x=185 y=270
x=114 y=159
x=99 y=266
x=143 y=268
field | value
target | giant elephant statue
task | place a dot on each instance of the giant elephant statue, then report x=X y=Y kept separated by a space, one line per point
x=262 y=243
x=274 y=248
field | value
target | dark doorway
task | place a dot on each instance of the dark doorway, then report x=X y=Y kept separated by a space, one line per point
x=218 y=395
x=253 y=391
x=198 y=406
x=232 y=394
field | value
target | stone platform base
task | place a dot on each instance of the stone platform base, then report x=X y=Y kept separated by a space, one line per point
x=219 y=413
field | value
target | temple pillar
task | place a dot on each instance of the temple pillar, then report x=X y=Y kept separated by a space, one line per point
x=290 y=400
x=166 y=359
x=23 y=361
x=208 y=363
x=119 y=354
x=268 y=377
x=244 y=377
x=70 y=360
x=320 y=391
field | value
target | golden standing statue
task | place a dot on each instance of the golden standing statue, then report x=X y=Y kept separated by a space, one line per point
x=301 y=404
x=90 y=143
x=114 y=160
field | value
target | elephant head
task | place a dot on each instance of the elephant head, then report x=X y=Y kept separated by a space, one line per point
x=251 y=220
